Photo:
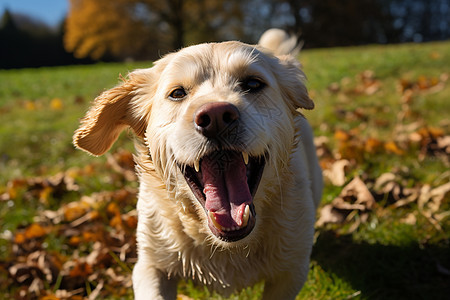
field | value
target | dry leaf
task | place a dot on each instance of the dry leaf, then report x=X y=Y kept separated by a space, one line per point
x=75 y=210
x=30 y=105
x=123 y=163
x=56 y=104
x=35 y=231
x=341 y=135
x=410 y=219
x=392 y=147
x=329 y=214
x=358 y=190
x=355 y=198
x=131 y=219
x=336 y=173
x=373 y=145
x=113 y=209
x=81 y=269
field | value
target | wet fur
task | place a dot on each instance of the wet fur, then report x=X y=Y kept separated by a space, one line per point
x=173 y=237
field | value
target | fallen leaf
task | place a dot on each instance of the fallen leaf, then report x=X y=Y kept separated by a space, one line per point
x=30 y=105
x=368 y=84
x=90 y=236
x=75 y=241
x=81 y=269
x=123 y=163
x=38 y=266
x=131 y=219
x=89 y=216
x=410 y=219
x=56 y=104
x=116 y=222
x=373 y=145
x=444 y=143
x=329 y=214
x=356 y=195
x=354 y=199
x=334 y=87
x=341 y=135
x=392 y=147
x=35 y=231
x=20 y=238
x=336 y=173
x=113 y=209
x=435 y=55
x=74 y=210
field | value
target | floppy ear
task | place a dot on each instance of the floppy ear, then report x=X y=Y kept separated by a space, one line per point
x=111 y=112
x=292 y=82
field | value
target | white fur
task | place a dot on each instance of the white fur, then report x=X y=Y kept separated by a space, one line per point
x=173 y=237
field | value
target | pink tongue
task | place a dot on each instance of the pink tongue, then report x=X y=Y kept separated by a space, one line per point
x=225 y=187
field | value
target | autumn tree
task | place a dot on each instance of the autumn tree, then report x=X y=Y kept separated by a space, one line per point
x=105 y=28
x=145 y=28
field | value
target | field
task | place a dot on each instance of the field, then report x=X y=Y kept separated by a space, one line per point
x=382 y=125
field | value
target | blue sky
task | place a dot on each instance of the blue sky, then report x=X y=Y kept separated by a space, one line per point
x=50 y=11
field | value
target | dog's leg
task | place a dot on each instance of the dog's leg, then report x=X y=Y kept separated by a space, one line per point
x=285 y=286
x=150 y=283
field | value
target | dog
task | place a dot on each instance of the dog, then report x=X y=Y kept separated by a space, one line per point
x=229 y=177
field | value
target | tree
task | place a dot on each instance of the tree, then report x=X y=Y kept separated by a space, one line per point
x=29 y=42
x=328 y=23
x=145 y=28
x=103 y=28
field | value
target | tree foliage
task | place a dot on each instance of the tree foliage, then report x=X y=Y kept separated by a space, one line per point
x=144 y=28
x=105 y=28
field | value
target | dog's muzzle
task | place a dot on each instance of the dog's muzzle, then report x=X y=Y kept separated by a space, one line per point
x=225 y=180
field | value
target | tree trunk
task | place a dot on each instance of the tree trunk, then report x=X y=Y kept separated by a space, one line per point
x=177 y=23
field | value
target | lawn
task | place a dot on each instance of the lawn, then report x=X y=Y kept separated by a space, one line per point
x=382 y=128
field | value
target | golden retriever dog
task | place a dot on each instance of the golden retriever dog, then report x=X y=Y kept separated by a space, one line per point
x=229 y=178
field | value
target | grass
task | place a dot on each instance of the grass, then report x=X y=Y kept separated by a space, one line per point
x=385 y=257
x=36 y=133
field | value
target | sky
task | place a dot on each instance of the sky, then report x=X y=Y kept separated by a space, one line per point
x=51 y=12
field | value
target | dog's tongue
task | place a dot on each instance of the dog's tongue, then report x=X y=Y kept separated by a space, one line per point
x=225 y=186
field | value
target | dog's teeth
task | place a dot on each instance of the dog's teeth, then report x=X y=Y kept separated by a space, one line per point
x=245 y=216
x=196 y=165
x=245 y=156
x=213 y=220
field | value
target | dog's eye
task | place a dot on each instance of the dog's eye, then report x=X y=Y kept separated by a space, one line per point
x=177 y=94
x=252 y=85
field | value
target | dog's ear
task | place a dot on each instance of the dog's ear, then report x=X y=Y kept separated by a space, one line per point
x=111 y=112
x=292 y=81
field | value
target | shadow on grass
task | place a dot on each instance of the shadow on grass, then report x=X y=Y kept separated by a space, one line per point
x=386 y=272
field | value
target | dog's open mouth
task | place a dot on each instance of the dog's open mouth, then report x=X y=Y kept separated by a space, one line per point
x=225 y=182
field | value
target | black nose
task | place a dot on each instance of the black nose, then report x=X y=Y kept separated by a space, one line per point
x=216 y=118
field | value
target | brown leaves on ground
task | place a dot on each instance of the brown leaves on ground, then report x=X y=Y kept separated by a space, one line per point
x=344 y=155
x=357 y=199
x=366 y=83
x=82 y=250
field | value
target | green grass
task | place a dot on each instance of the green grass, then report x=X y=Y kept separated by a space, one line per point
x=34 y=138
x=384 y=258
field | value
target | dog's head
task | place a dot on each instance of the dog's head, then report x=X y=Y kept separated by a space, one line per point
x=219 y=114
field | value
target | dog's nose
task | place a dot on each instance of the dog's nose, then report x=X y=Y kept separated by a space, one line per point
x=214 y=118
